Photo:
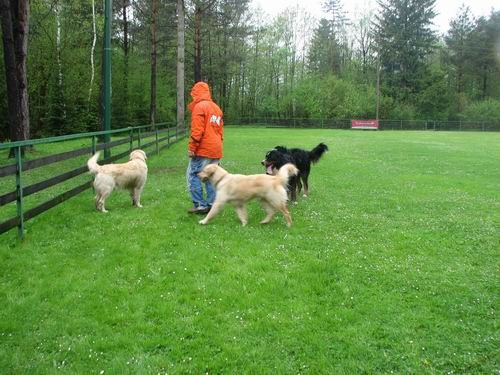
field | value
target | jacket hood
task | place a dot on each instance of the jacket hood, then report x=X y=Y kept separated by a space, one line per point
x=199 y=92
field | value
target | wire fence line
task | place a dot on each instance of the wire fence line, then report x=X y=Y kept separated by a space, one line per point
x=435 y=125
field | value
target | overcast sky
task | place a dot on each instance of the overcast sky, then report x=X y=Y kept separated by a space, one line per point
x=446 y=9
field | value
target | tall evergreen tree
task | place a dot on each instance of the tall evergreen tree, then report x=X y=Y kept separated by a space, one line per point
x=458 y=41
x=404 y=39
x=337 y=21
x=322 y=51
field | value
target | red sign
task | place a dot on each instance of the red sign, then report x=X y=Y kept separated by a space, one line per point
x=364 y=124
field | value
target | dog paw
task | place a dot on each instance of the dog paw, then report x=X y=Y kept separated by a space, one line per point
x=295 y=202
x=264 y=222
x=305 y=195
x=202 y=222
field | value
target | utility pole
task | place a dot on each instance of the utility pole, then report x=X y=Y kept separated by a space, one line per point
x=107 y=73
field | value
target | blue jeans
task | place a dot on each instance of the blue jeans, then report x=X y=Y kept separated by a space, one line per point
x=196 y=164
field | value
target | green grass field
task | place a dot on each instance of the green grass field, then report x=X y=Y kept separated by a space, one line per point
x=391 y=266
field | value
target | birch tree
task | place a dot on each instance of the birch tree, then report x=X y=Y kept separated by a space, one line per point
x=92 y=51
x=60 y=85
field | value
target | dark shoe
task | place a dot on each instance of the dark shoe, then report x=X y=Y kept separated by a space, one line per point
x=198 y=210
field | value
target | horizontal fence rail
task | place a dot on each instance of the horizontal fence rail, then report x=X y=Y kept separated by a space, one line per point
x=163 y=134
x=486 y=125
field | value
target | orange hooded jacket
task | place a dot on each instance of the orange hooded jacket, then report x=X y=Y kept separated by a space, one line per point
x=207 y=126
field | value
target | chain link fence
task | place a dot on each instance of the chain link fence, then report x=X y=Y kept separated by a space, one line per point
x=436 y=125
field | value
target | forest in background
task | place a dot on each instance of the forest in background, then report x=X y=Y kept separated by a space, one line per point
x=289 y=66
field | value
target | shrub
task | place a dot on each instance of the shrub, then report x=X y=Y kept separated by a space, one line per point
x=488 y=109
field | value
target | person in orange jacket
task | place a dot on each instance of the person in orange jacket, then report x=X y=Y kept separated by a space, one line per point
x=205 y=145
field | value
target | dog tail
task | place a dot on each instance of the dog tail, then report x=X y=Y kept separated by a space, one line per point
x=285 y=172
x=316 y=153
x=92 y=164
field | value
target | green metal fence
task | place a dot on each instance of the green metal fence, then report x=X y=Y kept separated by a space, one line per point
x=159 y=135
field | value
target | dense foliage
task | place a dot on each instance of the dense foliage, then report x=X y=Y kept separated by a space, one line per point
x=290 y=66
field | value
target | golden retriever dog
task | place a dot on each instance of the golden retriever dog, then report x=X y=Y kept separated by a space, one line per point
x=238 y=189
x=130 y=176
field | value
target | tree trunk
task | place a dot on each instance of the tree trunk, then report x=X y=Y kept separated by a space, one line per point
x=154 y=16
x=21 y=44
x=485 y=80
x=14 y=16
x=255 y=80
x=377 y=109
x=125 y=58
x=210 y=74
x=199 y=10
x=10 y=68
x=224 y=85
x=242 y=108
x=197 y=43
x=180 y=63
x=60 y=82
x=92 y=52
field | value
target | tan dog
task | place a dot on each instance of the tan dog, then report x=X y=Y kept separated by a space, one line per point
x=238 y=189
x=131 y=176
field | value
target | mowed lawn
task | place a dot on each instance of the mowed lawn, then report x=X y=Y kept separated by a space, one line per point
x=391 y=266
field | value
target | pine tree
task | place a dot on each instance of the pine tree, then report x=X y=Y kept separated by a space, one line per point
x=322 y=53
x=337 y=35
x=404 y=39
x=458 y=41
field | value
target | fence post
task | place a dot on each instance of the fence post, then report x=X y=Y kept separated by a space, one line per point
x=139 y=138
x=19 y=190
x=93 y=145
x=168 y=135
x=131 y=141
x=401 y=124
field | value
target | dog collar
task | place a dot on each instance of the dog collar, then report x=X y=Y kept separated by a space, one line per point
x=219 y=180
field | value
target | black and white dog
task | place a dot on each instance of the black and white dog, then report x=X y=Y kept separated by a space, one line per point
x=302 y=159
